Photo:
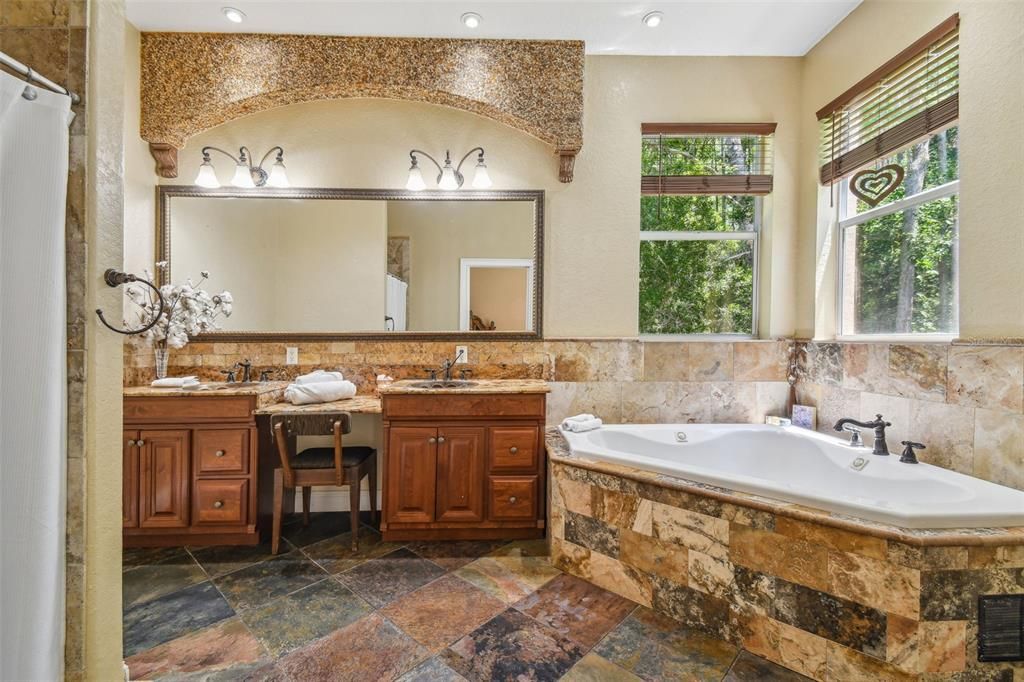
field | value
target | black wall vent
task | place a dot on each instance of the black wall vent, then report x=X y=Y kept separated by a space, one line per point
x=1001 y=627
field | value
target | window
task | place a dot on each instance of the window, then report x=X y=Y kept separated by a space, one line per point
x=898 y=228
x=898 y=260
x=700 y=215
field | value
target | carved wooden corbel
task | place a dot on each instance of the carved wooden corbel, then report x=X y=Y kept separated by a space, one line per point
x=566 y=164
x=166 y=157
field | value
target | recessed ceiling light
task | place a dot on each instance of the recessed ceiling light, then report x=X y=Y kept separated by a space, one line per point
x=235 y=16
x=471 y=19
x=652 y=19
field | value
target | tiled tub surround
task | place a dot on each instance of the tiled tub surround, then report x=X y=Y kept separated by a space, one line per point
x=830 y=597
x=965 y=402
x=620 y=380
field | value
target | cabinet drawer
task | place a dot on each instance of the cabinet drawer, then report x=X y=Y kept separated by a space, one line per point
x=221 y=451
x=221 y=502
x=513 y=447
x=512 y=498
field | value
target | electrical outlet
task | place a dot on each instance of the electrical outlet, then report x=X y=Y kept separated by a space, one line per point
x=291 y=355
x=464 y=358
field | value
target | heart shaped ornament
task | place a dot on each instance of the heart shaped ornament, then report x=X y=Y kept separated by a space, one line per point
x=872 y=186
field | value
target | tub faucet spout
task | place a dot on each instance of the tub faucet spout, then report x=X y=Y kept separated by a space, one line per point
x=879 y=424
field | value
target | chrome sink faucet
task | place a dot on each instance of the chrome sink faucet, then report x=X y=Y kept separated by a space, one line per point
x=879 y=424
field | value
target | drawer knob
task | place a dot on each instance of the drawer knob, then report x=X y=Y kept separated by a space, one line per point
x=218 y=504
x=219 y=453
x=513 y=499
x=431 y=440
x=513 y=449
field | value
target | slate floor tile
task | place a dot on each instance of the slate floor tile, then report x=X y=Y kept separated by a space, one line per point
x=143 y=583
x=508 y=579
x=593 y=668
x=750 y=668
x=224 y=645
x=577 y=609
x=369 y=649
x=382 y=580
x=512 y=646
x=432 y=670
x=322 y=525
x=655 y=647
x=455 y=554
x=336 y=554
x=303 y=616
x=132 y=557
x=168 y=617
x=259 y=583
x=227 y=558
x=442 y=612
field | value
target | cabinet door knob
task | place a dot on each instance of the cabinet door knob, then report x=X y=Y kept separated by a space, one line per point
x=440 y=439
x=513 y=449
x=131 y=442
x=431 y=440
x=219 y=453
x=140 y=442
x=218 y=504
x=513 y=499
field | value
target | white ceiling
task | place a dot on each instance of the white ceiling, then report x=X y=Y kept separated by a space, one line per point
x=690 y=27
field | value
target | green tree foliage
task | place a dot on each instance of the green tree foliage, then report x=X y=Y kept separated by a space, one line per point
x=904 y=264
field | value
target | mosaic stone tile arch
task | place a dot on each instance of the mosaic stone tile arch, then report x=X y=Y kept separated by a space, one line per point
x=194 y=81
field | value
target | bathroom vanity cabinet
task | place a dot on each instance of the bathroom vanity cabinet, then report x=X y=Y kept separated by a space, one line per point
x=189 y=468
x=464 y=465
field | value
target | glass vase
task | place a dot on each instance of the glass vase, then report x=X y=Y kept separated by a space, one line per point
x=161 y=355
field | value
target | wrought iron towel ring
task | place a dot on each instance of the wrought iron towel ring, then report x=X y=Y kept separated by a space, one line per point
x=115 y=278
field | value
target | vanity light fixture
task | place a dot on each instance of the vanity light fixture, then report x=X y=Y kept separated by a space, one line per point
x=449 y=177
x=235 y=16
x=246 y=175
x=653 y=19
x=471 y=19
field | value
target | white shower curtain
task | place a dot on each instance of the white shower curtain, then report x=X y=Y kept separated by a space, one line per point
x=33 y=394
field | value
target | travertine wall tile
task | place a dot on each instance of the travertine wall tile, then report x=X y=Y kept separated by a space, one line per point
x=986 y=376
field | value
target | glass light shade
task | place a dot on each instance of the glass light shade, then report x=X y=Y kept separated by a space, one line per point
x=448 y=179
x=278 y=177
x=207 y=177
x=242 y=176
x=415 y=182
x=481 y=178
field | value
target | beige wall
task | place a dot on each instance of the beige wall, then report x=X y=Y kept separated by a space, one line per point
x=442 y=233
x=991 y=153
x=291 y=265
x=592 y=224
x=499 y=295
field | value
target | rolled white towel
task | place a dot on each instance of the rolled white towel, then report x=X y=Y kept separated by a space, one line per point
x=319 y=376
x=581 y=426
x=322 y=392
x=176 y=382
x=585 y=417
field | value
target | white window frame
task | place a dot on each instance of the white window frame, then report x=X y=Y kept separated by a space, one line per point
x=941 y=192
x=693 y=236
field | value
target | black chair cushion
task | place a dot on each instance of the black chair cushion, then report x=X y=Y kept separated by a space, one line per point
x=323 y=458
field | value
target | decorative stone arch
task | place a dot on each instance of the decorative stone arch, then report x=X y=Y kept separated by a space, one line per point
x=192 y=82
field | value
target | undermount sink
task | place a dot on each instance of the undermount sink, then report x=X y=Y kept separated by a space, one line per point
x=225 y=386
x=454 y=383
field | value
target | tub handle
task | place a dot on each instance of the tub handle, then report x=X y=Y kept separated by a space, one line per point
x=680 y=437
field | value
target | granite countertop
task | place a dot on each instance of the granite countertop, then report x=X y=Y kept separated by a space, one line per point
x=360 y=404
x=474 y=386
x=266 y=392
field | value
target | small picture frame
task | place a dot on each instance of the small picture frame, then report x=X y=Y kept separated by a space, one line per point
x=805 y=417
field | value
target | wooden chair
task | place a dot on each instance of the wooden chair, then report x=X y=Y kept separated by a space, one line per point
x=336 y=466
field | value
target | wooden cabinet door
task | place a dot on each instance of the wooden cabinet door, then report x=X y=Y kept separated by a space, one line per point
x=129 y=479
x=164 y=479
x=460 y=474
x=411 y=474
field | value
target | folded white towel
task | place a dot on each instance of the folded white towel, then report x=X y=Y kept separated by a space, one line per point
x=321 y=392
x=585 y=417
x=176 y=382
x=319 y=376
x=580 y=427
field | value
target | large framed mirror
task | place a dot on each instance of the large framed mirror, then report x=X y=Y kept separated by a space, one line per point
x=328 y=264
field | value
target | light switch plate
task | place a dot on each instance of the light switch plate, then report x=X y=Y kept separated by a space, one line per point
x=291 y=355
x=464 y=358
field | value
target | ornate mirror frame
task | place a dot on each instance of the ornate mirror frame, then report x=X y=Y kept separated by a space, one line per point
x=164 y=193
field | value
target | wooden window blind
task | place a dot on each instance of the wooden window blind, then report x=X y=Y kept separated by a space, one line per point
x=706 y=158
x=912 y=95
